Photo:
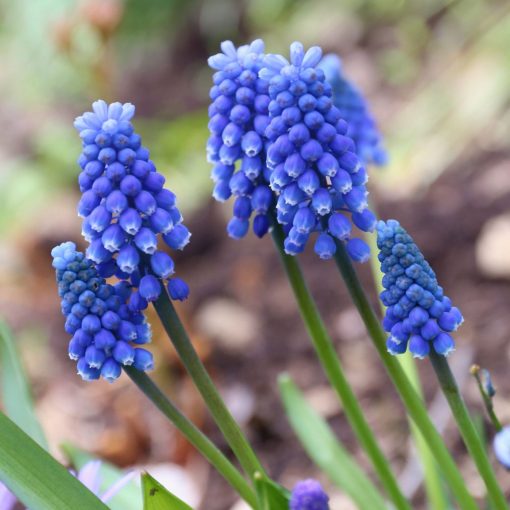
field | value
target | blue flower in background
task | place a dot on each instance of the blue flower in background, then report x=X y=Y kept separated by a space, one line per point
x=418 y=315
x=309 y=495
x=354 y=109
x=89 y=475
x=502 y=446
x=314 y=170
x=238 y=118
x=125 y=207
x=103 y=326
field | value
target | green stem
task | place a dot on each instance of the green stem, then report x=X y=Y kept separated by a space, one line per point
x=331 y=364
x=436 y=495
x=193 y=435
x=205 y=386
x=487 y=400
x=467 y=429
x=414 y=405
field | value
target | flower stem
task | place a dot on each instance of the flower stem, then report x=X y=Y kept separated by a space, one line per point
x=467 y=429
x=414 y=405
x=436 y=494
x=487 y=399
x=193 y=435
x=205 y=386
x=331 y=365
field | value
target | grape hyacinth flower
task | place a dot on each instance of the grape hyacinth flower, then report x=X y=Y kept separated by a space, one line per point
x=238 y=119
x=309 y=495
x=125 y=207
x=418 y=315
x=89 y=475
x=502 y=446
x=314 y=170
x=355 y=111
x=103 y=326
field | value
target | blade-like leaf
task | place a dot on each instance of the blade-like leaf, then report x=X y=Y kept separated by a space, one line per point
x=129 y=498
x=326 y=450
x=15 y=392
x=36 y=478
x=156 y=497
x=271 y=495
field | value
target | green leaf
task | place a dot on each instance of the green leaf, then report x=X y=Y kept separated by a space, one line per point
x=36 y=478
x=271 y=495
x=129 y=498
x=326 y=450
x=15 y=390
x=156 y=497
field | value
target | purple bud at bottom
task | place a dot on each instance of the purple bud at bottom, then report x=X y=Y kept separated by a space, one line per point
x=308 y=495
x=143 y=360
x=178 y=289
x=150 y=288
x=110 y=370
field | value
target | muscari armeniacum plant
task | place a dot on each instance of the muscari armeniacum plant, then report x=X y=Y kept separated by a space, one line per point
x=281 y=147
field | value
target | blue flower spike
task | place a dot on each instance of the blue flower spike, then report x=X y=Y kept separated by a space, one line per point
x=314 y=169
x=419 y=317
x=106 y=332
x=125 y=207
x=502 y=446
x=309 y=495
x=355 y=111
x=236 y=147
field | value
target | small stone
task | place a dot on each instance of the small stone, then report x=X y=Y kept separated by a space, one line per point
x=493 y=247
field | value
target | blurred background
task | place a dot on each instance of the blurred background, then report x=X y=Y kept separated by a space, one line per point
x=438 y=77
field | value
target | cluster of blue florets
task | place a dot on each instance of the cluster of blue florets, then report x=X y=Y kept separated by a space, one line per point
x=238 y=118
x=278 y=119
x=418 y=315
x=309 y=495
x=103 y=326
x=125 y=206
x=315 y=171
x=354 y=109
